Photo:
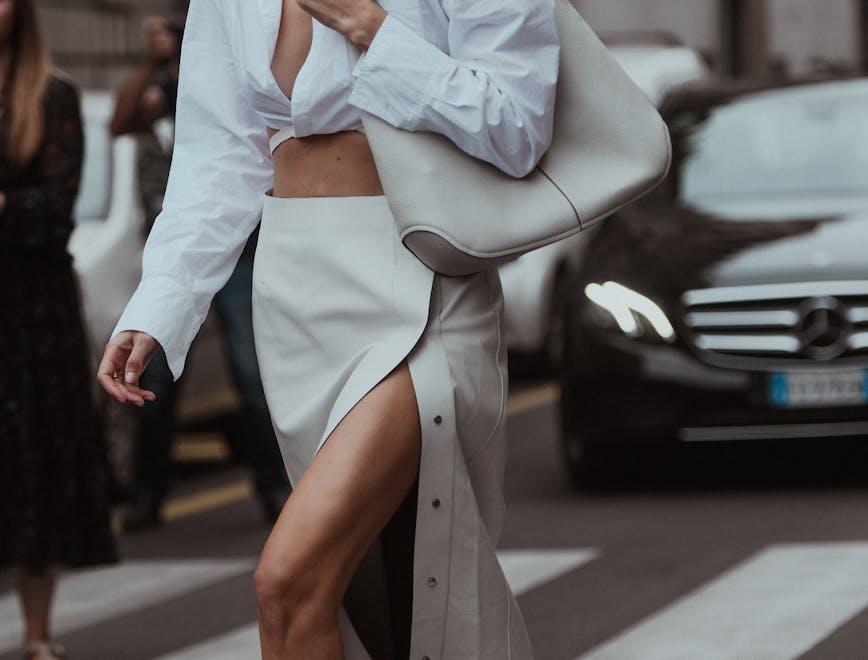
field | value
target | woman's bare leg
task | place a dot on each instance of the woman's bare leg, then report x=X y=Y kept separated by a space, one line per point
x=344 y=499
x=36 y=593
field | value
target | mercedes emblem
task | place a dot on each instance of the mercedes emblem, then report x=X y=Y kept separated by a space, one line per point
x=824 y=330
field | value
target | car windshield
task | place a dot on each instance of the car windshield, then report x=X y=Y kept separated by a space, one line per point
x=805 y=145
x=95 y=191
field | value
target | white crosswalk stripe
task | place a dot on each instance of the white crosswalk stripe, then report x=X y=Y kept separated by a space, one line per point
x=88 y=597
x=527 y=569
x=239 y=644
x=524 y=569
x=775 y=606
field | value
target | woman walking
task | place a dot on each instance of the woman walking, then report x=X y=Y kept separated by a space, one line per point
x=54 y=474
x=386 y=381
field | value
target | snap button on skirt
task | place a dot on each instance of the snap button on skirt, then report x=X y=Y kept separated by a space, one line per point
x=338 y=302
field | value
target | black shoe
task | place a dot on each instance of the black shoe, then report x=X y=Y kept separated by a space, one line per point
x=272 y=503
x=143 y=515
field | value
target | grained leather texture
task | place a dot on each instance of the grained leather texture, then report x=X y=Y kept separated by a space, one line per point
x=460 y=215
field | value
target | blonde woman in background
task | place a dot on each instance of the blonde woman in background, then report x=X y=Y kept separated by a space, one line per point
x=54 y=474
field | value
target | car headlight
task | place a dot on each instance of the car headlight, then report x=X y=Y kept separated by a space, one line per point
x=634 y=313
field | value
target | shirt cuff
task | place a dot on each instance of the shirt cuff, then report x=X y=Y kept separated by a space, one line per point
x=394 y=78
x=163 y=309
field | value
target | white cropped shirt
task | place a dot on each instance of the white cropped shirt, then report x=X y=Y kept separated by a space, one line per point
x=481 y=72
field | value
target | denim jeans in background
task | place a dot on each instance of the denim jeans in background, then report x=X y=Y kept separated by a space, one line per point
x=154 y=443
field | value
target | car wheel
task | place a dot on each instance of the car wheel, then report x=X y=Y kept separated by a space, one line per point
x=586 y=445
x=555 y=341
x=590 y=463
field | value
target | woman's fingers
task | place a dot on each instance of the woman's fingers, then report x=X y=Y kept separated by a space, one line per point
x=140 y=354
x=132 y=397
x=357 y=20
x=143 y=347
x=112 y=362
x=329 y=12
x=135 y=394
x=109 y=386
x=123 y=393
x=123 y=362
x=147 y=395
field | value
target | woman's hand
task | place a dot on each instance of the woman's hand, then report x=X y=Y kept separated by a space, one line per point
x=357 y=20
x=124 y=360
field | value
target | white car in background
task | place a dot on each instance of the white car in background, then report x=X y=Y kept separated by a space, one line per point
x=533 y=283
x=106 y=246
x=107 y=241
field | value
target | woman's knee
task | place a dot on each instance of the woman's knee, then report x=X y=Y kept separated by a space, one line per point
x=292 y=593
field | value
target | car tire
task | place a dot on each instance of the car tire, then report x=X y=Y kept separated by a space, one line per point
x=586 y=445
x=590 y=462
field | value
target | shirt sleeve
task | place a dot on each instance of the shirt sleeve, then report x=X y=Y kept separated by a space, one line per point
x=492 y=94
x=220 y=168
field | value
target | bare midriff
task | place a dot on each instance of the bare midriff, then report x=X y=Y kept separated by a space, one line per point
x=332 y=165
x=328 y=165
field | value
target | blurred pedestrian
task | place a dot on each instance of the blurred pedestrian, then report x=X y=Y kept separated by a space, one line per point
x=147 y=98
x=145 y=104
x=55 y=482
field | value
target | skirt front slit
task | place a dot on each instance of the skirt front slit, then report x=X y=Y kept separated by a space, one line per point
x=338 y=302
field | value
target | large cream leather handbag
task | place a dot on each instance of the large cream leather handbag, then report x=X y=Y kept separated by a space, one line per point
x=460 y=215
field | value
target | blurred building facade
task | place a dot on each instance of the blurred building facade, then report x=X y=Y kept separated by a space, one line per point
x=807 y=32
x=96 y=41
x=742 y=37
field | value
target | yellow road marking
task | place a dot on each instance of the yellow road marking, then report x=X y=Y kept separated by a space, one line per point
x=214 y=498
x=536 y=397
x=204 y=447
x=224 y=399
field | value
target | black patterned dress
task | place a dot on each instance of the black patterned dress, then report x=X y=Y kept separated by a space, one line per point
x=54 y=474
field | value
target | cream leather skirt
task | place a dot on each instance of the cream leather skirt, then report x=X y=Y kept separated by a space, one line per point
x=338 y=302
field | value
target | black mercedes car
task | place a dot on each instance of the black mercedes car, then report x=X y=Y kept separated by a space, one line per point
x=731 y=304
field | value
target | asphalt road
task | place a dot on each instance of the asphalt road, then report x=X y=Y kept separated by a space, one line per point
x=720 y=555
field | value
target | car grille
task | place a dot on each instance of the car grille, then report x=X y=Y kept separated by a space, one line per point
x=763 y=326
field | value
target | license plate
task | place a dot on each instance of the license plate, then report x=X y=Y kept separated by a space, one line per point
x=818 y=389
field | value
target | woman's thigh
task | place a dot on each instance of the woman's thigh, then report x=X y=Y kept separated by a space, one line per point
x=353 y=486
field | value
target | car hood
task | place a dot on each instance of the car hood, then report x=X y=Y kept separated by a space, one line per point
x=832 y=249
x=665 y=252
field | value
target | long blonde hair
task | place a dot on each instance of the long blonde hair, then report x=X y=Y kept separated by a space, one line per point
x=30 y=65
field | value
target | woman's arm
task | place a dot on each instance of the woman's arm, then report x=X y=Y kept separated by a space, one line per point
x=39 y=215
x=220 y=169
x=140 y=102
x=492 y=94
